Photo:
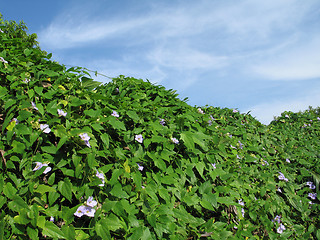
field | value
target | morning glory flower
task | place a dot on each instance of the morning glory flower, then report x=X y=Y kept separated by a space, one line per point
x=242 y=212
x=101 y=176
x=91 y=202
x=281 y=228
x=34 y=106
x=39 y=165
x=200 y=111
x=45 y=128
x=80 y=211
x=162 y=121
x=61 y=113
x=2 y=60
x=282 y=177
x=241 y=202
x=85 y=137
x=139 y=138
x=115 y=114
x=277 y=219
x=140 y=167
x=174 y=140
x=312 y=196
x=240 y=145
x=311 y=185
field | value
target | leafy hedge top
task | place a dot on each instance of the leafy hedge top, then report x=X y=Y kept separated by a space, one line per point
x=128 y=159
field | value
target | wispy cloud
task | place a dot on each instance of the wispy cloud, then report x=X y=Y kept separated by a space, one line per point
x=266 y=112
x=177 y=43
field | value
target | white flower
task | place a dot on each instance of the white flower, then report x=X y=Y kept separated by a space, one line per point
x=2 y=60
x=174 y=140
x=115 y=114
x=1 y=30
x=139 y=138
x=52 y=219
x=140 y=168
x=61 y=113
x=34 y=106
x=80 y=211
x=281 y=228
x=241 y=202
x=200 y=111
x=89 y=211
x=39 y=165
x=101 y=176
x=85 y=137
x=213 y=165
x=91 y=202
x=45 y=128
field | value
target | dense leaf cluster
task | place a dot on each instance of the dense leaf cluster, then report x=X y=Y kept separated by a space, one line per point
x=129 y=160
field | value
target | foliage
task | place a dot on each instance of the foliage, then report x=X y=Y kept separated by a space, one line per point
x=128 y=159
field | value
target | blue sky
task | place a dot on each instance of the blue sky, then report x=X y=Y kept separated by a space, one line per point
x=257 y=56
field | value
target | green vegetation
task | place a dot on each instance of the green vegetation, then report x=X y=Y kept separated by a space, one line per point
x=129 y=160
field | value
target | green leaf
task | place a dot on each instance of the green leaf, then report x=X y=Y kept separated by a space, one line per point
x=118 y=192
x=44 y=189
x=117 y=124
x=187 y=138
x=65 y=187
x=105 y=139
x=51 y=230
x=102 y=230
x=68 y=232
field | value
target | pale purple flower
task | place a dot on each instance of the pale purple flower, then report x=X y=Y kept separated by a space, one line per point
x=318 y=118
x=101 y=176
x=39 y=165
x=140 y=167
x=241 y=202
x=279 y=189
x=282 y=177
x=265 y=163
x=2 y=60
x=1 y=30
x=115 y=114
x=26 y=80
x=240 y=145
x=143 y=187
x=85 y=210
x=200 y=111
x=61 y=113
x=45 y=128
x=233 y=147
x=242 y=212
x=312 y=196
x=34 y=106
x=311 y=185
x=281 y=228
x=174 y=140
x=85 y=137
x=15 y=120
x=277 y=219
x=238 y=157
x=162 y=121
x=213 y=165
x=139 y=138
x=80 y=211
x=288 y=160
x=52 y=219
x=91 y=202
x=235 y=110
x=287 y=116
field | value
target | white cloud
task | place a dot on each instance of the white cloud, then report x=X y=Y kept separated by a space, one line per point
x=293 y=63
x=266 y=112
